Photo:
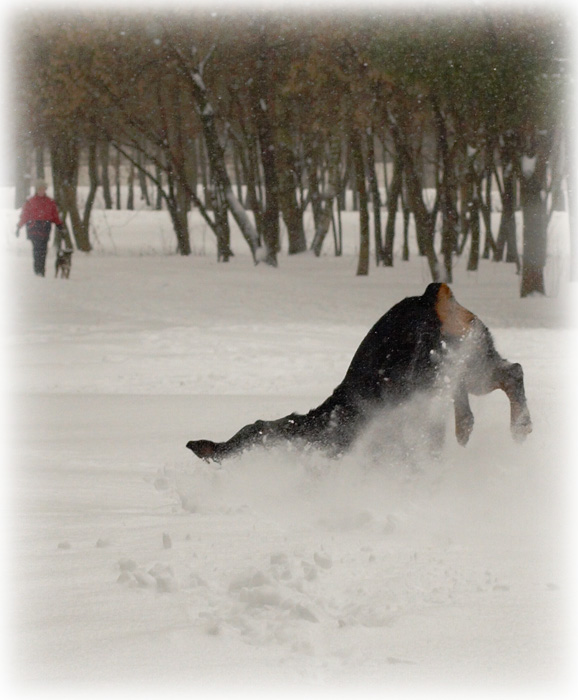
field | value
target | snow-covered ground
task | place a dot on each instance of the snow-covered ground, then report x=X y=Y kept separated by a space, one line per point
x=134 y=565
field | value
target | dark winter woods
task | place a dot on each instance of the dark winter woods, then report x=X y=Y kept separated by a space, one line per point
x=254 y=117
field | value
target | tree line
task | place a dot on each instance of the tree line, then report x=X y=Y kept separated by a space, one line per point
x=271 y=113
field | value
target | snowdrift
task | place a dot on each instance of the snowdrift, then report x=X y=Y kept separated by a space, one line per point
x=136 y=566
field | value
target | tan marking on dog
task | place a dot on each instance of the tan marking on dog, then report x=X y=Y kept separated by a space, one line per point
x=456 y=320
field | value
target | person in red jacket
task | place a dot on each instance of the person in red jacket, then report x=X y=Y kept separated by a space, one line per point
x=38 y=214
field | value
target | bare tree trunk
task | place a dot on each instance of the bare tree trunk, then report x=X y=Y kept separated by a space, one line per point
x=222 y=228
x=447 y=192
x=375 y=199
x=117 y=180
x=406 y=218
x=474 y=221
x=290 y=209
x=320 y=221
x=506 y=240
x=93 y=183
x=142 y=179
x=39 y=157
x=392 y=204
x=64 y=159
x=104 y=177
x=253 y=190
x=535 y=215
x=159 y=197
x=424 y=220
x=359 y=169
x=130 y=183
x=215 y=152
x=179 y=195
x=354 y=192
x=205 y=178
x=486 y=211
x=268 y=160
x=323 y=209
x=237 y=168
x=178 y=214
x=337 y=231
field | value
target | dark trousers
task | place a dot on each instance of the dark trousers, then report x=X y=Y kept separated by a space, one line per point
x=39 y=249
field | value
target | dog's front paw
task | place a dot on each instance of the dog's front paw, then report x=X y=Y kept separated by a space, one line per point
x=464 y=427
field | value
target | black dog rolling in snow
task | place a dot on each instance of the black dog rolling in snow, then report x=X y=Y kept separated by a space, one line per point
x=423 y=345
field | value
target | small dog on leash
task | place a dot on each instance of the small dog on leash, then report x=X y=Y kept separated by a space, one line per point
x=63 y=263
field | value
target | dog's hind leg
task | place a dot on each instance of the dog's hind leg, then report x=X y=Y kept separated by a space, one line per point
x=496 y=373
x=510 y=379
